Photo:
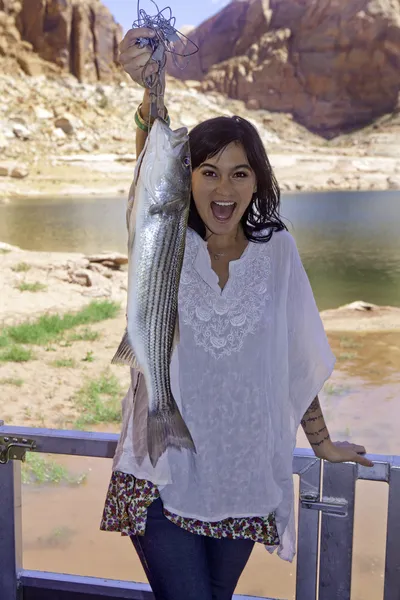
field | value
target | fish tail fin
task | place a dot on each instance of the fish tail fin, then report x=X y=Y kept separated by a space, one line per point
x=164 y=430
x=125 y=354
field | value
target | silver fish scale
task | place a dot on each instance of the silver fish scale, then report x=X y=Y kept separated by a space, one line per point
x=159 y=251
x=157 y=235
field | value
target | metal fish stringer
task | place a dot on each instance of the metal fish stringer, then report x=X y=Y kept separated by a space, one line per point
x=168 y=40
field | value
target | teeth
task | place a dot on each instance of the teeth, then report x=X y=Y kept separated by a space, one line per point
x=224 y=203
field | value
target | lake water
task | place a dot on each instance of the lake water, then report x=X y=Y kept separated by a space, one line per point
x=349 y=241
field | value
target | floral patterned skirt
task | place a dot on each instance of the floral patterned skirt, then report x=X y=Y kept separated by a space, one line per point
x=128 y=499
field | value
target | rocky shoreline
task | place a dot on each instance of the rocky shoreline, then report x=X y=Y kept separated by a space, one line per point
x=69 y=281
x=111 y=175
x=60 y=137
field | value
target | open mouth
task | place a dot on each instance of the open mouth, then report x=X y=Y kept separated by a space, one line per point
x=223 y=211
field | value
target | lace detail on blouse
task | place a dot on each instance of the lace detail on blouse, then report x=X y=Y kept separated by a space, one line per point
x=222 y=320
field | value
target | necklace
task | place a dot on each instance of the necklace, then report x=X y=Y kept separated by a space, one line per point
x=218 y=255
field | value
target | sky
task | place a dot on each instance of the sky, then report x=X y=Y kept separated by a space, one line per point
x=187 y=12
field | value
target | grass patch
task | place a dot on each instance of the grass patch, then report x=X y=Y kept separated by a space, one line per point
x=16 y=354
x=59 y=537
x=39 y=470
x=31 y=287
x=4 y=341
x=89 y=357
x=331 y=389
x=50 y=327
x=12 y=381
x=87 y=335
x=21 y=267
x=347 y=356
x=349 y=343
x=64 y=362
x=99 y=401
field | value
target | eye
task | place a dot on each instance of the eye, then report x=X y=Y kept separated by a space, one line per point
x=241 y=174
x=186 y=161
x=208 y=173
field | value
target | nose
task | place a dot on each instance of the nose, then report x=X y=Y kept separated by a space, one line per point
x=224 y=187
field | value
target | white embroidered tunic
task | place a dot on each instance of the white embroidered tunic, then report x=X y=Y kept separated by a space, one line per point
x=250 y=360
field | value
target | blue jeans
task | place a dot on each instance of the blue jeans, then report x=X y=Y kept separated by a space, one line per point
x=184 y=566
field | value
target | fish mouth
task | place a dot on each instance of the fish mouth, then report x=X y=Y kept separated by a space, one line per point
x=175 y=140
x=223 y=210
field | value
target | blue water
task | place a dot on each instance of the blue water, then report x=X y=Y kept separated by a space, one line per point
x=349 y=242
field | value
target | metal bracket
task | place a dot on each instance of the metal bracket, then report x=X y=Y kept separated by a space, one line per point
x=334 y=507
x=14 y=448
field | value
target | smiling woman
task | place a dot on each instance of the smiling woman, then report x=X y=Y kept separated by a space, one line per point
x=233 y=181
x=251 y=358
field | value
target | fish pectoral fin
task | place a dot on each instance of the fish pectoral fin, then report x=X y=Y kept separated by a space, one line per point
x=167 y=208
x=166 y=429
x=125 y=354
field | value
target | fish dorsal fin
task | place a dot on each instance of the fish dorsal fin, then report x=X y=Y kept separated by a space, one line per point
x=125 y=354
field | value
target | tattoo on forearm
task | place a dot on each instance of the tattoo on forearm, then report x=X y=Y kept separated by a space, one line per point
x=311 y=419
x=327 y=437
x=315 y=405
x=313 y=424
x=319 y=431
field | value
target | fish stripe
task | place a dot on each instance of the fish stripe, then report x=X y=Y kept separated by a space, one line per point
x=155 y=265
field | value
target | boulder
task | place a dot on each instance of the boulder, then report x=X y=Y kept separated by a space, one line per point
x=394 y=182
x=113 y=260
x=21 y=131
x=66 y=124
x=12 y=169
x=42 y=113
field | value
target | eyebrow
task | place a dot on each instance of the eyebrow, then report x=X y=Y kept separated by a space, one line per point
x=243 y=166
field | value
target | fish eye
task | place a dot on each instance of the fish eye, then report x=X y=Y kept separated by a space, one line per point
x=186 y=161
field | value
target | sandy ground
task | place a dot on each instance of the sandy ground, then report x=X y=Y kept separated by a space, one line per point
x=47 y=392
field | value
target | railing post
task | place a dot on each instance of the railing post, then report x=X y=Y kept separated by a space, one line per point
x=308 y=535
x=10 y=530
x=392 y=566
x=339 y=480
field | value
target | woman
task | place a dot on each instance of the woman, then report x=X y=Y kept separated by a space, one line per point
x=250 y=363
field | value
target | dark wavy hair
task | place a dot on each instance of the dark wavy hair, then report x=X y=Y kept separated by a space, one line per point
x=210 y=137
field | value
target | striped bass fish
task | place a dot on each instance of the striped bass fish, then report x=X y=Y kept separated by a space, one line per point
x=157 y=225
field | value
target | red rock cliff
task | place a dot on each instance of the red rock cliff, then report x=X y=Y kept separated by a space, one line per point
x=78 y=36
x=333 y=64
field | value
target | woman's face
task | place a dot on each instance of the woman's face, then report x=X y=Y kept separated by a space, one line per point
x=222 y=189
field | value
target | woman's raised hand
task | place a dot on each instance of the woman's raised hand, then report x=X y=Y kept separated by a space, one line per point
x=133 y=58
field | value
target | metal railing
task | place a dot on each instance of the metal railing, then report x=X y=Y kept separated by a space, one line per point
x=325 y=526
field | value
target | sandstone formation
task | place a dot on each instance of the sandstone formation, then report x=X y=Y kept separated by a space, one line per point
x=333 y=64
x=75 y=36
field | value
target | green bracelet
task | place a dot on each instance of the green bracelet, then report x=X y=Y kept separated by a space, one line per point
x=141 y=123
